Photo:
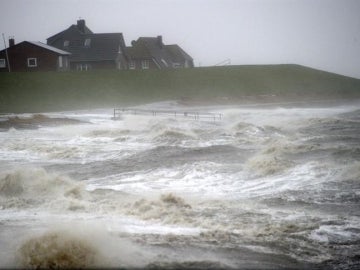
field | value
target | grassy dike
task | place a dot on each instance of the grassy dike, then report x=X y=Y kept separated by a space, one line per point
x=56 y=91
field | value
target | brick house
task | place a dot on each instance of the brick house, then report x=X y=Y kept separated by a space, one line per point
x=90 y=50
x=32 y=56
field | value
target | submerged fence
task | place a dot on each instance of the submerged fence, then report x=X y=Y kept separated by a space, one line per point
x=169 y=113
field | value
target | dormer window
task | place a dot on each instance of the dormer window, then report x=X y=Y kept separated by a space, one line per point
x=87 y=42
x=66 y=43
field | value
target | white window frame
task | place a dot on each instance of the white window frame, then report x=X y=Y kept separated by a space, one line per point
x=132 y=64
x=145 y=64
x=32 y=59
x=60 y=61
x=66 y=43
x=83 y=67
x=164 y=62
x=2 y=63
x=87 y=42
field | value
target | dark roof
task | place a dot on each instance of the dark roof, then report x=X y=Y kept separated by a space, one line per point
x=104 y=46
x=178 y=54
x=138 y=51
x=48 y=47
x=73 y=27
x=42 y=45
x=153 y=47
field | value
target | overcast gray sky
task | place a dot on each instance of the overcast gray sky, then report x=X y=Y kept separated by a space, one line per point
x=323 y=34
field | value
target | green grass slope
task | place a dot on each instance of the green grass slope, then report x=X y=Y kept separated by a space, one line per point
x=55 y=91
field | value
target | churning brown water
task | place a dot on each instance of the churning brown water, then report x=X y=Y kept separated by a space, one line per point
x=270 y=188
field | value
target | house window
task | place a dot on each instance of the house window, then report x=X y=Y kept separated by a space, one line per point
x=176 y=65
x=32 y=62
x=87 y=42
x=2 y=63
x=60 y=62
x=145 y=64
x=164 y=62
x=132 y=64
x=83 y=67
x=66 y=43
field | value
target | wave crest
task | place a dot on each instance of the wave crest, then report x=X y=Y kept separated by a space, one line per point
x=169 y=208
x=168 y=134
x=57 y=250
x=265 y=165
x=34 y=187
x=271 y=160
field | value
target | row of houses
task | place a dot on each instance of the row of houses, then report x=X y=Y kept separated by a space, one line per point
x=78 y=48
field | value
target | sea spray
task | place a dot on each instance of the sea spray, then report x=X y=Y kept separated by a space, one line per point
x=35 y=187
x=57 y=250
x=267 y=162
x=79 y=245
x=267 y=187
x=169 y=209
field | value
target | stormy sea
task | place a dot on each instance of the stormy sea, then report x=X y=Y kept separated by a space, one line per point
x=264 y=187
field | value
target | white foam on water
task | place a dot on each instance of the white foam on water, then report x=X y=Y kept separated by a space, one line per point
x=216 y=196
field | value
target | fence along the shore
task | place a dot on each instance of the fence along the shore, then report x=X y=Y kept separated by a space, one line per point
x=176 y=114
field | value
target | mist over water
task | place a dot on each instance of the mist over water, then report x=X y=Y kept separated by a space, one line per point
x=264 y=188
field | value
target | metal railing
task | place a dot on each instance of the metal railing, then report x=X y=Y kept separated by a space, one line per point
x=177 y=114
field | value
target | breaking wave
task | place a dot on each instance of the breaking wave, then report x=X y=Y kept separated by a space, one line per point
x=169 y=209
x=56 y=250
x=112 y=133
x=271 y=160
x=171 y=136
x=277 y=188
x=264 y=165
x=31 y=187
x=51 y=151
x=77 y=245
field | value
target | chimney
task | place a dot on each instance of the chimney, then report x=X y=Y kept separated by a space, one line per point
x=81 y=25
x=11 y=42
x=160 y=42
